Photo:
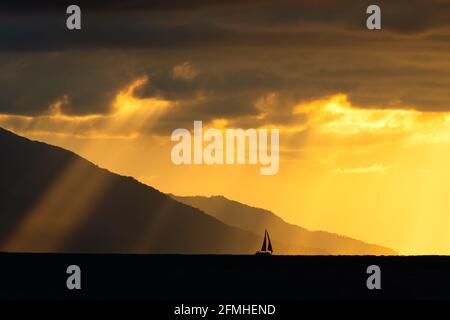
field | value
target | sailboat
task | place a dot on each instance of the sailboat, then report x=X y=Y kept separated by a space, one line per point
x=266 y=249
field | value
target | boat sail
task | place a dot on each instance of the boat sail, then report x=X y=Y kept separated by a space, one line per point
x=266 y=249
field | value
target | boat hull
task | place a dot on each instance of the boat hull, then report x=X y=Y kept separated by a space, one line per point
x=263 y=253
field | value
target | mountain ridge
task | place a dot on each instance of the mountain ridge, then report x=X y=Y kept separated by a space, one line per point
x=256 y=219
x=52 y=200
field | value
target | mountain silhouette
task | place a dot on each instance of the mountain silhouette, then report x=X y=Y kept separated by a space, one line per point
x=256 y=220
x=52 y=200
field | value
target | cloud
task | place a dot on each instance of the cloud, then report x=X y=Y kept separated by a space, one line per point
x=322 y=123
x=400 y=16
x=32 y=26
x=32 y=82
x=212 y=59
x=335 y=121
x=185 y=71
x=126 y=118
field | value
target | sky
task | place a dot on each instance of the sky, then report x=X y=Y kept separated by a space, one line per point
x=364 y=116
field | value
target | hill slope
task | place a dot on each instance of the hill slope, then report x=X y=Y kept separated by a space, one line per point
x=52 y=200
x=256 y=220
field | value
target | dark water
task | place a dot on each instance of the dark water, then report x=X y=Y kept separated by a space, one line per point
x=222 y=277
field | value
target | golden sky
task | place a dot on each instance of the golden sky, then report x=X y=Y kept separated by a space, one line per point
x=380 y=175
x=364 y=117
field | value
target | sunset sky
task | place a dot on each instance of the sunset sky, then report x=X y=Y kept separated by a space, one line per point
x=364 y=116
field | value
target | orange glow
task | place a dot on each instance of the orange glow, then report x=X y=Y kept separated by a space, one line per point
x=379 y=175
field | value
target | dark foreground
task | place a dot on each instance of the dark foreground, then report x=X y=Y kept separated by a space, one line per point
x=212 y=278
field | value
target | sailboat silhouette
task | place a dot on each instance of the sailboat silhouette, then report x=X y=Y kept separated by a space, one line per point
x=266 y=249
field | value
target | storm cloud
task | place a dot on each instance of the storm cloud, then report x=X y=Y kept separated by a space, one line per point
x=241 y=51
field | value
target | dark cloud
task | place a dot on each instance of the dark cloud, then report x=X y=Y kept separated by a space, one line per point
x=50 y=6
x=40 y=25
x=32 y=82
x=242 y=50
